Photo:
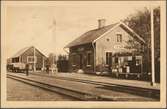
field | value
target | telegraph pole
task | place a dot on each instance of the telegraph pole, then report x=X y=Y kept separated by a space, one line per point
x=152 y=48
x=54 y=41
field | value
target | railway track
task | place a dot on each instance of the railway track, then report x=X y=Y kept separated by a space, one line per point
x=152 y=93
x=81 y=96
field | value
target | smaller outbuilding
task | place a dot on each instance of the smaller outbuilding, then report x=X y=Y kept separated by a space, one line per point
x=35 y=59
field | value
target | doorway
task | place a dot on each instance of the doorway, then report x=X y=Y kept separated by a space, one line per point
x=80 y=61
x=109 y=60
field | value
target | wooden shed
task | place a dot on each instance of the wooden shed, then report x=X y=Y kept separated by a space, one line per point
x=31 y=56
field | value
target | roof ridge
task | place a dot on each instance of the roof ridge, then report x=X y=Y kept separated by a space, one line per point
x=21 y=51
x=90 y=35
x=104 y=26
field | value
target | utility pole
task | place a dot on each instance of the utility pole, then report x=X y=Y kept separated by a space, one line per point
x=152 y=48
x=53 y=41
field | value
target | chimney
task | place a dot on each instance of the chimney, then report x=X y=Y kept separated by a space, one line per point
x=101 y=23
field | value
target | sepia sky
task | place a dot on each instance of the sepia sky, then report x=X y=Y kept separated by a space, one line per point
x=51 y=27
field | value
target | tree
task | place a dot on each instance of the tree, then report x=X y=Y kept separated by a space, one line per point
x=62 y=63
x=140 y=23
x=134 y=46
x=52 y=59
x=62 y=57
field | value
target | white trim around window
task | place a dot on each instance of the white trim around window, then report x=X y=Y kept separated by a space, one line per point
x=108 y=55
x=30 y=59
x=119 y=37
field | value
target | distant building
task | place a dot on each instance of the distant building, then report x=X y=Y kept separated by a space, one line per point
x=106 y=48
x=28 y=55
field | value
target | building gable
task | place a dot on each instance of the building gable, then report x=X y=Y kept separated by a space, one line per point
x=28 y=57
x=30 y=52
x=116 y=40
x=127 y=29
x=96 y=34
x=109 y=43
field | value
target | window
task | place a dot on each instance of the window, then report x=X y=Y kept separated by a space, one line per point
x=108 y=58
x=88 y=58
x=30 y=59
x=129 y=58
x=74 y=59
x=15 y=60
x=119 y=37
x=116 y=60
x=138 y=62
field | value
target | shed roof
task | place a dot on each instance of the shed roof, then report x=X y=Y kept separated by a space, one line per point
x=20 y=52
x=93 y=35
x=23 y=50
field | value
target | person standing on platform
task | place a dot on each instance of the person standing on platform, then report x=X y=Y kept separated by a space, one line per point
x=47 y=69
x=27 y=69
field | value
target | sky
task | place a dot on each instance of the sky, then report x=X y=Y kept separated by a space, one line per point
x=50 y=27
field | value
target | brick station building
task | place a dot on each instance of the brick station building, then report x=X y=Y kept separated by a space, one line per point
x=106 y=49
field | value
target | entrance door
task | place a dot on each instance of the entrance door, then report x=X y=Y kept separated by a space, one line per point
x=80 y=61
x=109 y=60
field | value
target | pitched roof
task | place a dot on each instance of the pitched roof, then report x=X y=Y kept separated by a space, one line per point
x=90 y=36
x=20 y=52
x=23 y=50
x=93 y=35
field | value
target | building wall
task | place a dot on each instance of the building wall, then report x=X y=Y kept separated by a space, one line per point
x=30 y=52
x=74 y=58
x=108 y=43
x=9 y=61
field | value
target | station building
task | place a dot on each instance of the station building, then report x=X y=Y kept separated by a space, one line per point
x=111 y=48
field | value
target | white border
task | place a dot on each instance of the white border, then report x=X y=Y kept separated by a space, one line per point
x=79 y=104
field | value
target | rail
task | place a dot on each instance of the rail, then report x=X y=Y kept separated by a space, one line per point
x=152 y=93
x=81 y=96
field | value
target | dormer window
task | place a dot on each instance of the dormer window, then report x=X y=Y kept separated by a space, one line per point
x=119 y=37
